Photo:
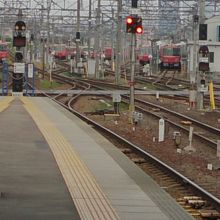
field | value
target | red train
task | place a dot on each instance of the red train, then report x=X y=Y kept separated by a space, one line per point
x=62 y=54
x=70 y=52
x=143 y=59
x=143 y=55
x=3 y=50
x=170 y=57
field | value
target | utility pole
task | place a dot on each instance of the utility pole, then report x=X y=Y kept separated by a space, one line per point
x=78 y=35
x=53 y=33
x=89 y=33
x=200 y=94
x=131 y=105
x=19 y=42
x=112 y=43
x=43 y=40
x=133 y=26
x=48 y=30
x=118 y=43
x=36 y=40
x=97 y=40
x=195 y=38
x=102 y=48
x=31 y=43
x=201 y=11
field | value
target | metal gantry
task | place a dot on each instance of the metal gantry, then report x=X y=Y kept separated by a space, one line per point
x=62 y=14
x=61 y=19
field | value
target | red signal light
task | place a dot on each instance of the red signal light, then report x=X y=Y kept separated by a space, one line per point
x=134 y=24
x=139 y=30
x=129 y=20
x=129 y=24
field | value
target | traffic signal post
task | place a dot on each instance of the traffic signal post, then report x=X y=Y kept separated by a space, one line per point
x=133 y=26
x=19 y=42
x=203 y=68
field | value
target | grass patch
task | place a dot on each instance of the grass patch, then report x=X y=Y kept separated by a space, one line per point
x=69 y=74
x=101 y=105
x=123 y=107
x=75 y=75
x=105 y=105
x=46 y=84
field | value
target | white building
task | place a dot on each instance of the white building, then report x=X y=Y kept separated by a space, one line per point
x=213 y=43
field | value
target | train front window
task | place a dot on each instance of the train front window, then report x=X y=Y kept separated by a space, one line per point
x=3 y=47
x=168 y=51
x=176 y=51
x=172 y=51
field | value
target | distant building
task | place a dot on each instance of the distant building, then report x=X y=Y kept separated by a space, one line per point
x=213 y=43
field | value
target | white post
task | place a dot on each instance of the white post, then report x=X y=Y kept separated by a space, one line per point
x=190 y=148
x=71 y=65
x=157 y=95
x=50 y=75
x=218 y=149
x=190 y=135
x=161 y=130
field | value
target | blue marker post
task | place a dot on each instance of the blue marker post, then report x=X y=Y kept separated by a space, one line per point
x=5 y=78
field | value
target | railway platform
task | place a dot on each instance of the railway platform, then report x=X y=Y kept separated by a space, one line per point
x=54 y=166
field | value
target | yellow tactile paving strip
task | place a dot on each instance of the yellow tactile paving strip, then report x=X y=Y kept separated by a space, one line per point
x=5 y=102
x=88 y=197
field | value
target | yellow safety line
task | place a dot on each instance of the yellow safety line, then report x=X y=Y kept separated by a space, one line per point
x=5 y=102
x=211 y=94
x=88 y=197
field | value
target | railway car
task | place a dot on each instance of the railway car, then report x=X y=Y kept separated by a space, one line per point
x=170 y=57
x=143 y=55
x=143 y=59
x=62 y=54
x=3 y=50
x=108 y=53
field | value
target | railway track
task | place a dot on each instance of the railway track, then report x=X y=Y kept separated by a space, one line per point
x=191 y=196
x=203 y=131
x=197 y=201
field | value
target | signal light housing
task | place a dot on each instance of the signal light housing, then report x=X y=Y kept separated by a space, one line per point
x=20 y=26
x=138 y=26
x=18 y=56
x=203 y=31
x=129 y=24
x=19 y=41
x=129 y=20
x=139 y=30
x=134 y=24
x=17 y=85
x=204 y=58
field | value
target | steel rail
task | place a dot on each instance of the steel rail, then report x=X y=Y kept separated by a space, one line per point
x=145 y=154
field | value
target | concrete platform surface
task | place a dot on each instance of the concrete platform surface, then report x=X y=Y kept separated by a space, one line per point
x=31 y=184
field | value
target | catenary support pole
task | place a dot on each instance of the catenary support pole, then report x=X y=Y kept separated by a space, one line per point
x=97 y=40
x=132 y=106
x=77 y=40
x=118 y=43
